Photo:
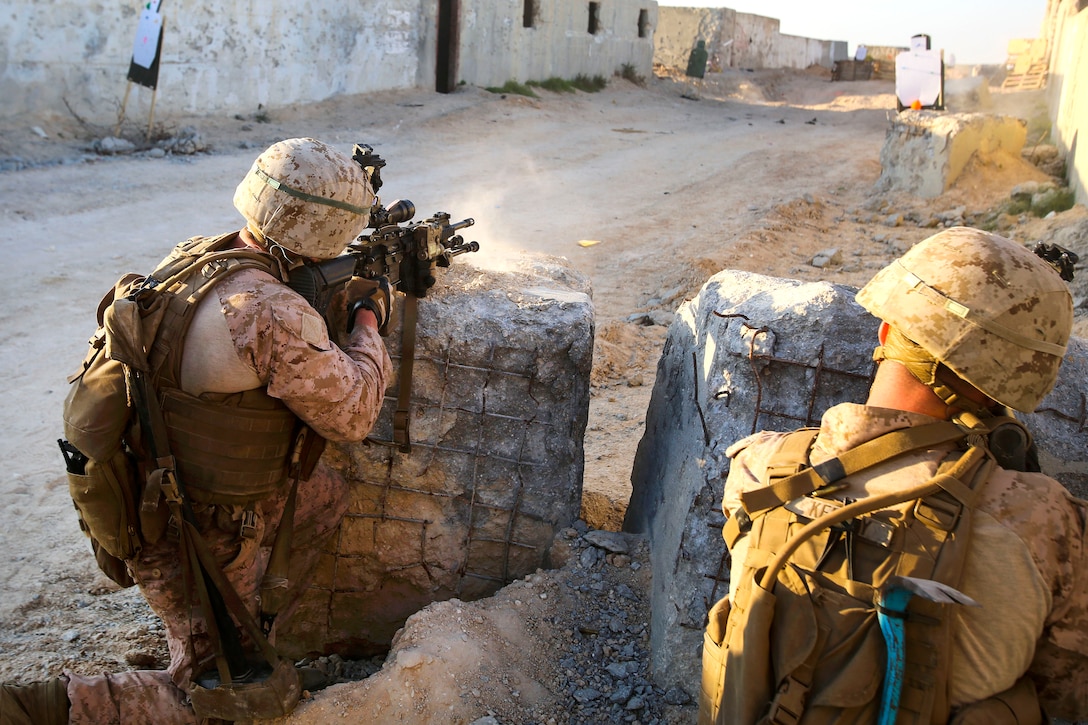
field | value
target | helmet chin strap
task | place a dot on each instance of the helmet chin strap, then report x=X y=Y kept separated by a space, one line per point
x=272 y=246
x=281 y=254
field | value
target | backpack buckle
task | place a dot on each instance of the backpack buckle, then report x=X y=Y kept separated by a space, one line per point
x=938 y=511
x=789 y=702
x=876 y=531
x=249 y=523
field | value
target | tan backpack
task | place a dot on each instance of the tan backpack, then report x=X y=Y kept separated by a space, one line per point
x=800 y=641
x=142 y=321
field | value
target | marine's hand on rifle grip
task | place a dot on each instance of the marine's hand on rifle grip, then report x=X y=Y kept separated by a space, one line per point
x=375 y=295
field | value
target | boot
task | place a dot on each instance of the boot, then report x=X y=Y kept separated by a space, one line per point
x=39 y=703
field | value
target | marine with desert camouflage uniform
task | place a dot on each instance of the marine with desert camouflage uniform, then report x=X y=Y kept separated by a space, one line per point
x=252 y=339
x=971 y=322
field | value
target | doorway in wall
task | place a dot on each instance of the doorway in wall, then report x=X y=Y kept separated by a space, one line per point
x=449 y=14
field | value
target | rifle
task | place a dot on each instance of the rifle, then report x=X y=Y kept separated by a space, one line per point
x=404 y=252
x=405 y=255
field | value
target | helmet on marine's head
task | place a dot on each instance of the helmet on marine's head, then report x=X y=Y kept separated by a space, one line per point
x=307 y=197
x=991 y=310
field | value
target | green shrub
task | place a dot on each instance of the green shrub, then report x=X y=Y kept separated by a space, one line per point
x=589 y=85
x=1016 y=206
x=1052 y=200
x=629 y=72
x=555 y=85
x=514 y=87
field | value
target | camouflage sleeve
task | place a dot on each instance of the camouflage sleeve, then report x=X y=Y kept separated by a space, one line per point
x=749 y=458
x=336 y=392
x=1060 y=666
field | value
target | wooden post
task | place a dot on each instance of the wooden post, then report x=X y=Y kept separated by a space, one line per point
x=124 y=105
x=151 y=114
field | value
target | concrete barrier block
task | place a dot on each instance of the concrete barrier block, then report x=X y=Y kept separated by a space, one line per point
x=748 y=353
x=925 y=152
x=500 y=399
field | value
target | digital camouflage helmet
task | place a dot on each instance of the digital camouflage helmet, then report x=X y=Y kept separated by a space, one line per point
x=306 y=197
x=988 y=308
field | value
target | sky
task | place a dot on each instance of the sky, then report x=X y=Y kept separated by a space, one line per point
x=973 y=31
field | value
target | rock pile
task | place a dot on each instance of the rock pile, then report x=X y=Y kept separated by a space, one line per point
x=561 y=647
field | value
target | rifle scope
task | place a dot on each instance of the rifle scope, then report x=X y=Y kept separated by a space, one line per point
x=399 y=211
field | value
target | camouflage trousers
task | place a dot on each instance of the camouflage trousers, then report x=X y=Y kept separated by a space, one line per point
x=160 y=696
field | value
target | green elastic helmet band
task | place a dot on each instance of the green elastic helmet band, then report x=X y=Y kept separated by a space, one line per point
x=280 y=186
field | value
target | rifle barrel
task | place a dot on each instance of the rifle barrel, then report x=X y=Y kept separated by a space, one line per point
x=458 y=226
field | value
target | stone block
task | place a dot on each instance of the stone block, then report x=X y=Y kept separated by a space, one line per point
x=500 y=399
x=748 y=353
x=925 y=152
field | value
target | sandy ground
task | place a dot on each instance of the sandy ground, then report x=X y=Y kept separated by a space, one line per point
x=674 y=180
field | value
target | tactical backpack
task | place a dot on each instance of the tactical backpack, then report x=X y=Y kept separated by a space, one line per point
x=800 y=642
x=127 y=484
x=105 y=455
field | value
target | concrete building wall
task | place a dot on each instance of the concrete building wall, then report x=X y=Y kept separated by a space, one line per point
x=793 y=51
x=497 y=47
x=736 y=40
x=1067 y=88
x=679 y=30
x=217 y=54
x=755 y=41
x=234 y=55
x=832 y=51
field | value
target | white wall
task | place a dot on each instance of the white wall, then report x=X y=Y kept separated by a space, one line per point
x=737 y=40
x=792 y=51
x=1067 y=88
x=218 y=55
x=496 y=47
x=232 y=55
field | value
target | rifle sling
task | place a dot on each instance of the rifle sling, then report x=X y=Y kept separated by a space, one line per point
x=276 y=580
x=230 y=597
x=401 y=433
x=221 y=595
x=190 y=561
